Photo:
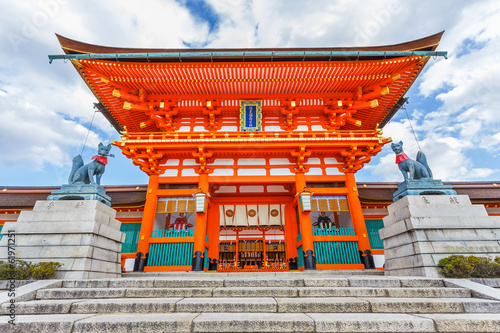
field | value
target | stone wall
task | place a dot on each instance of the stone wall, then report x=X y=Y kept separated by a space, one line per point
x=421 y=230
x=83 y=235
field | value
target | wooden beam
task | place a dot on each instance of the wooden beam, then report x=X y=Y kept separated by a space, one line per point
x=176 y=192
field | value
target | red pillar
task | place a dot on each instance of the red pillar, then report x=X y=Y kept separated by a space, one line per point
x=200 y=229
x=358 y=221
x=305 y=226
x=148 y=219
x=291 y=232
x=213 y=233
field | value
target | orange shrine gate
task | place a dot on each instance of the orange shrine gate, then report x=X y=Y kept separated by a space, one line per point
x=252 y=153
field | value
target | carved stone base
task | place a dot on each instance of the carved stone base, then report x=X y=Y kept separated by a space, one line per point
x=83 y=235
x=421 y=230
x=197 y=262
x=309 y=260
x=81 y=192
x=367 y=259
x=422 y=187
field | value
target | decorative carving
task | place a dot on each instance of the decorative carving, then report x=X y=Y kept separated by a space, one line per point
x=197 y=265
x=147 y=159
x=309 y=260
x=300 y=158
x=355 y=157
x=411 y=169
x=84 y=174
x=367 y=259
x=202 y=157
x=288 y=111
x=81 y=179
x=140 y=262
x=212 y=113
x=418 y=179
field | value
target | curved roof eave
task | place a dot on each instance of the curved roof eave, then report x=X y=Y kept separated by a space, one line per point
x=71 y=46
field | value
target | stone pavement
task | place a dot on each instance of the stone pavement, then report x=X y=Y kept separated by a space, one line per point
x=276 y=302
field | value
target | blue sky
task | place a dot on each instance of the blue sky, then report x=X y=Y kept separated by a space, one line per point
x=46 y=110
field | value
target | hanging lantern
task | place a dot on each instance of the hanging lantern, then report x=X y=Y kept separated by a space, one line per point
x=305 y=201
x=201 y=202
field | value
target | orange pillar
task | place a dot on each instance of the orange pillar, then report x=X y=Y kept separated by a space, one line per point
x=305 y=226
x=291 y=233
x=148 y=219
x=200 y=229
x=358 y=221
x=213 y=234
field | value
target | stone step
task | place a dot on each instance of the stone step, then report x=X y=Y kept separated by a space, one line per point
x=402 y=292
x=288 y=274
x=72 y=293
x=168 y=292
x=255 y=322
x=384 y=292
x=144 y=283
x=315 y=281
x=256 y=304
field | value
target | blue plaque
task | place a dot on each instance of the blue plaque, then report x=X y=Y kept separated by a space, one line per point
x=250 y=116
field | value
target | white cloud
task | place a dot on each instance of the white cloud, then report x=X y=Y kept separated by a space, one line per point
x=45 y=109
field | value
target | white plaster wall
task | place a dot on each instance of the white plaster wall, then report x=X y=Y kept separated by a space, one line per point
x=129 y=264
x=223 y=161
x=244 y=189
x=171 y=162
x=251 y=172
x=170 y=173
x=333 y=171
x=279 y=161
x=331 y=160
x=281 y=172
x=314 y=172
x=188 y=172
x=223 y=172
x=379 y=260
x=313 y=160
x=252 y=161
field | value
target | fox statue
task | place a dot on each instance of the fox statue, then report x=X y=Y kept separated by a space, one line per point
x=411 y=169
x=84 y=173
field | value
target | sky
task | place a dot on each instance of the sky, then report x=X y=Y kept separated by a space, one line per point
x=46 y=109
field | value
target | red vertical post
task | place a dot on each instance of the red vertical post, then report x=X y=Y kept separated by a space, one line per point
x=200 y=229
x=148 y=217
x=291 y=234
x=213 y=233
x=358 y=221
x=148 y=220
x=305 y=226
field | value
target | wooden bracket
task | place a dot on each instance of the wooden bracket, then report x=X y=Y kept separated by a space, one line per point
x=301 y=156
x=202 y=157
x=211 y=111
x=289 y=109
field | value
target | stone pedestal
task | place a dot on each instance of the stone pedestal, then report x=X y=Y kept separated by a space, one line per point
x=422 y=229
x=83 y=235
x=81 y=192
x=422 y=187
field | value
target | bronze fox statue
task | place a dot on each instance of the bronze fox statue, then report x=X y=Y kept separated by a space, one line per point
x=84 y=173
x=411 y=169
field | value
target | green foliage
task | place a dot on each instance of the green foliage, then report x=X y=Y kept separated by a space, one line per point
x=461 y=267
x=19 y=270
x=22 y=270
x=45 y=270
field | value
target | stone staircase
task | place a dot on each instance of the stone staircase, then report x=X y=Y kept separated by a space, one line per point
x=277 y=302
